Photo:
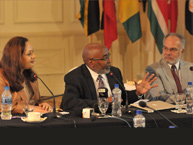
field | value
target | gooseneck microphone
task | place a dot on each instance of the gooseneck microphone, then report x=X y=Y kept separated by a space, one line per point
x=144 y=104
x=52 y=114
x=126 y=103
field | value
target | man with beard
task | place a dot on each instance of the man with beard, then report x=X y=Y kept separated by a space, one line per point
x=83 y=82
x=172 y=73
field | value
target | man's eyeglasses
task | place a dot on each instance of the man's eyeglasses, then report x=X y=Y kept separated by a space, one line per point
x=171 y=50
x=105 y=57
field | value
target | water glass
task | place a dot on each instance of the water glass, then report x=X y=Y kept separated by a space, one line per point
x=180 y=100
x=189 y=103
x=103 y=105
x=28 y=106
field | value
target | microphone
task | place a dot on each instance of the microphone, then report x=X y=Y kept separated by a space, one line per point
x=93 y=117
x=144 y=104
x=52 y=114
x=77 y=112
x=191 y=68
x=126 y=103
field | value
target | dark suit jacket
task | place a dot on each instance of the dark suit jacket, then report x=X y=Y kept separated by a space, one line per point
x=80 y=90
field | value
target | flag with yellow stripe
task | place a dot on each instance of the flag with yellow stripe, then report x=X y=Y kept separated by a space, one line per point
x=130 y=18
x=89 y=16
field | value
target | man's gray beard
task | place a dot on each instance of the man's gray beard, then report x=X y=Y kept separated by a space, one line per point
x=171 y=62
x=105 y=71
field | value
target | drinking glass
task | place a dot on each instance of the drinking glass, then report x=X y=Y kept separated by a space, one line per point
x=180 y=100
x=189 y=103
x=28 y=106
x=103 y=105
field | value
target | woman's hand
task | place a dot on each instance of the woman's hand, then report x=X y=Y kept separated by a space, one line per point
x=45 y=106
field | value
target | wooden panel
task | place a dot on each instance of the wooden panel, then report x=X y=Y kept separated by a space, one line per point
x=35 y=11
x=49 y=61
x=2 y=12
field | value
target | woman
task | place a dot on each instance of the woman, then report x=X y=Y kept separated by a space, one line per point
x=15 y=71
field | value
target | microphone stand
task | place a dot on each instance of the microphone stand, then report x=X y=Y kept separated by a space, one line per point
x=143 y=104
x=126 y=109
x=53 y=114
x=164 y=117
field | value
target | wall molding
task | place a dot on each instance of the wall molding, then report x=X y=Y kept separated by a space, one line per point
x=48 y=11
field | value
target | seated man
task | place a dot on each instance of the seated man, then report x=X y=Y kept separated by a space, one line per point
x=82 y=83
x=172 y=73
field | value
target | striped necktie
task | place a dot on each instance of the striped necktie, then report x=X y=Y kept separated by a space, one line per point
x=101 y=83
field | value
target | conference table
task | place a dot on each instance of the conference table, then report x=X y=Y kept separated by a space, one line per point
x=153 y=120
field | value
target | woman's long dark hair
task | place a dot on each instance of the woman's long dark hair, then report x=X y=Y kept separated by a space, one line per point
x=11 y=63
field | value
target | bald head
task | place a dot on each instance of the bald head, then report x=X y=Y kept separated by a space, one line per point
x=96 y=57
x=92 y=50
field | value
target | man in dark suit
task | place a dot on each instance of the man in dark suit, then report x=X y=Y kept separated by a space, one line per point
x=82 y=83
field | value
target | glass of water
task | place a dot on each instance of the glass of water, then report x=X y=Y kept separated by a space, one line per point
x=103 y=105
x=28 y=106
x=189 y=103
x=180 y=100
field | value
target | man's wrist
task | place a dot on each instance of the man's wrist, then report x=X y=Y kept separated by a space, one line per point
x=139 y=95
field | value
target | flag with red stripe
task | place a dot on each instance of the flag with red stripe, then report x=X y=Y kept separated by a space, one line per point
x=173 y=14
x=159 y=12
x=110 y=23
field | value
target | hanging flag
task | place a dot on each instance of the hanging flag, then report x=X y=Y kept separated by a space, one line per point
x=159 y=12
x=110 y=22
x=89 y=16
x=130 y=18
x=173 y=14
x=158 y=17
x=189 y=16
x=144 y=4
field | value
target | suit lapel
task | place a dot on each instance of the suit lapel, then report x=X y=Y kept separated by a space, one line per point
x=111 y=81
x=36 y=95
x=89 y=82
x=183 y=75
x=22 y=94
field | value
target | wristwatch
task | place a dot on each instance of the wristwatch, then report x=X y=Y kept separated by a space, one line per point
x=140 y=96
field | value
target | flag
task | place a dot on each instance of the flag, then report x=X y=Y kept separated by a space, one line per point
x=189 y=16
x=173 y=14
x=89 y=16
x=144 y=4
x=110 y=22
x=130 y=18
x=159 y=12
x=158 y=17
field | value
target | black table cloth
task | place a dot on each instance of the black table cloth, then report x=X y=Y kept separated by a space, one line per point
x=153 y=120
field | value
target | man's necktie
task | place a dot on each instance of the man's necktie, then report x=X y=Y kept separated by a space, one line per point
x=176 y=79
x=101 y=83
